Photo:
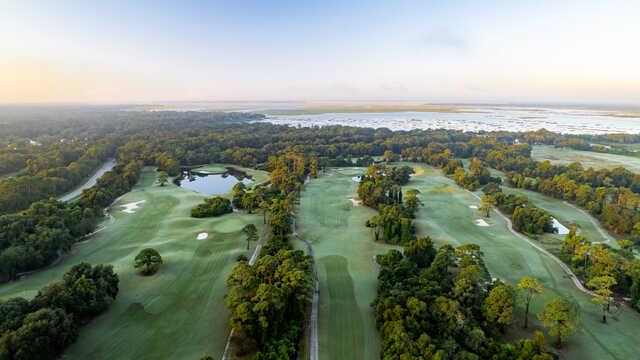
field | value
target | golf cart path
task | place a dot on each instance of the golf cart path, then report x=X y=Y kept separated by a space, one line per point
x=313 y=320
x=564 y=266
x=607 y=238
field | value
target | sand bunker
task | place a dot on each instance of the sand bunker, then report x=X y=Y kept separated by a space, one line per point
x=130 y=208
x=473 y=207
x=355 y=202
x=562 y=230
x=481 y=222
x=202 y=236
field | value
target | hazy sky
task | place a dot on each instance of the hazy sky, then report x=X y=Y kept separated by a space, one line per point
x=433 y=51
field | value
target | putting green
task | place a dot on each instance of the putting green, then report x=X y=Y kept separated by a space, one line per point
x=177 y=313
x=587 y=158
x=447 y=218
x=344 y=251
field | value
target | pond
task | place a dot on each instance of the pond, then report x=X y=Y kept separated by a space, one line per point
x=212 y=184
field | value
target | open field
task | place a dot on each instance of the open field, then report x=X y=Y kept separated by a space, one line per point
x=177 y=313
x=447 y=218
x=344 y=251
x=587 y=158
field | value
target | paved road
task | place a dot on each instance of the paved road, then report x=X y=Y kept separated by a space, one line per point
x=108 y=165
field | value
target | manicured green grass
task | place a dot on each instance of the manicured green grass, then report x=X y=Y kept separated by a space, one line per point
x=211 y=169
x=344 y=251
x=447 y=218
x=587 y=158
x=565 y=213
x=179 y=312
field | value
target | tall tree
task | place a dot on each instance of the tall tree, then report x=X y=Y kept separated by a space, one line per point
x=530 y=287
x=251 y=232
x=163 y=177
x=499 y=305
x=602 y=286
x=560 y=317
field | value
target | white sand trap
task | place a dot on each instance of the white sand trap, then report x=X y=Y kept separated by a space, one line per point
x=356 y=202
x=130 y=208
x=481 y=222
x=202 y=236
x=356 y=179
x=473 y=207
x=562 y=230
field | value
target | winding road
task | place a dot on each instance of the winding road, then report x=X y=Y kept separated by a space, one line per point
x=108 y=165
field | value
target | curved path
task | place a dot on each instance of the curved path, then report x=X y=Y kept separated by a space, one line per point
x=564 y=266
x=607 y=238
x=108 y=165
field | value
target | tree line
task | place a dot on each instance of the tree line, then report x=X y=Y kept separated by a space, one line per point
x=268 y=300
x=380 y=187
x=442 y=304
x=43 y=327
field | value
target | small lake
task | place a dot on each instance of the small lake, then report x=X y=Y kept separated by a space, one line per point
x=211 y=184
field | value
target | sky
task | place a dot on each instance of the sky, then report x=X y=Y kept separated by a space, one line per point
x=429 y=51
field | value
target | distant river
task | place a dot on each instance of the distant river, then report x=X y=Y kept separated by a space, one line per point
x=570 y=121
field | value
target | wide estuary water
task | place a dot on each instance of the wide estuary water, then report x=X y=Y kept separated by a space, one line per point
x=570 y=121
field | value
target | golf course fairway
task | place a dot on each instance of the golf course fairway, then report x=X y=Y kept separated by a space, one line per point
x=448 y=218
x=177 y=313
x=588 y=159
x=344 y=253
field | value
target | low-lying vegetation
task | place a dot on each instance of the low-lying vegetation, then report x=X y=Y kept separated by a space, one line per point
x=214 y=206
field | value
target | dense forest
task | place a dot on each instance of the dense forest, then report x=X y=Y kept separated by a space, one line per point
x=441 y=304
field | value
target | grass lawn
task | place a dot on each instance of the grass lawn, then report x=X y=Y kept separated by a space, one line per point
x=177 y=313
x=344 y=251
x=447 y=218
x=210 y=169
x=565 y=213
x=587 y=158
